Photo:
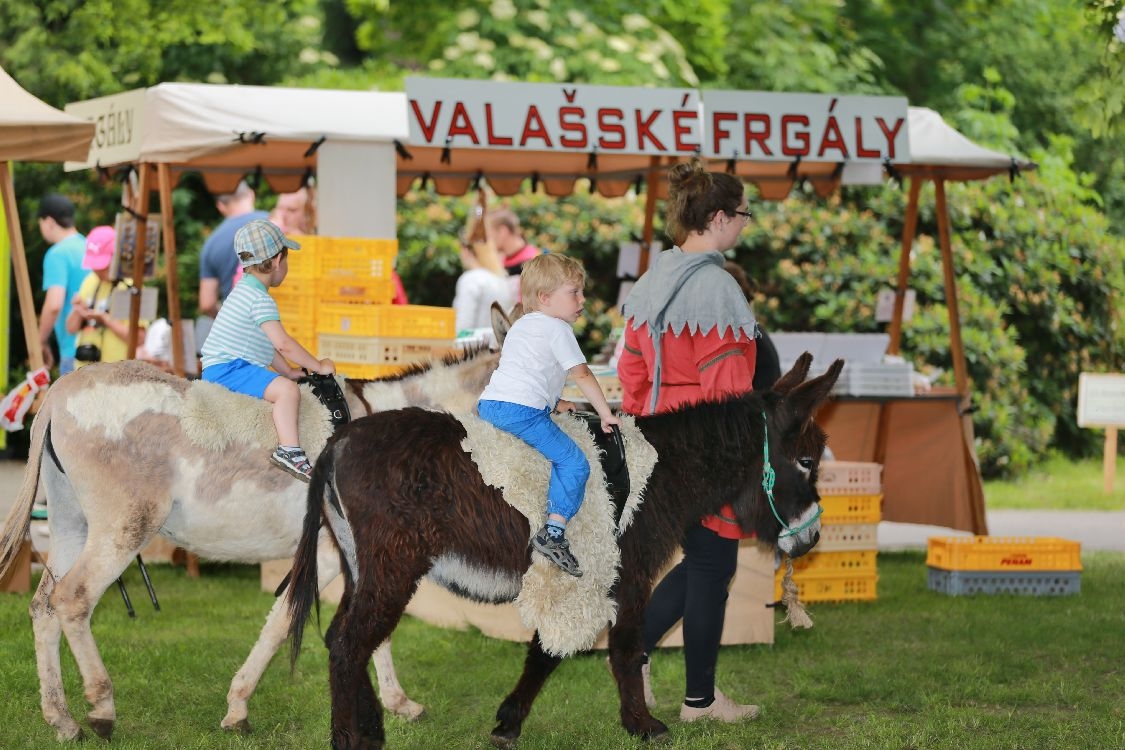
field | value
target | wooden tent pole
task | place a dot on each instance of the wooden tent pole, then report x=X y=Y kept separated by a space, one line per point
x=164 y=185
x=957 y=349
x=140 y=205
x=19 y=268
x=651 y=183
x=909 y=228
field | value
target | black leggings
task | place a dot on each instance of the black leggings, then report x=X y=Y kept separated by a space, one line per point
x=696 y=592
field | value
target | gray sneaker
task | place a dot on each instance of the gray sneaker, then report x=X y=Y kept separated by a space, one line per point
x=557 y=551
x=295 y=462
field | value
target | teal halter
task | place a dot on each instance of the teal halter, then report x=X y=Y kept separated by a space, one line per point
x=769 y=476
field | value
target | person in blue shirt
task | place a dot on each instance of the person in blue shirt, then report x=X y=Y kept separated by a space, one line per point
x=218 y=264
x=62 y=276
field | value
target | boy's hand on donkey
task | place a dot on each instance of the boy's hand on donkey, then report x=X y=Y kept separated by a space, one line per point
x=327 y=367
x=609 y=421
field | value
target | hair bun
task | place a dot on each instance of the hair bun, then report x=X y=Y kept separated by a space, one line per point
x=689 y=176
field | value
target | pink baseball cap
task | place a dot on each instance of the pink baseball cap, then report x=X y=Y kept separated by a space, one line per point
x=99 y=248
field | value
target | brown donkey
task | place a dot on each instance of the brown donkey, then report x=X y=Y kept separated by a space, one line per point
x=402 y=498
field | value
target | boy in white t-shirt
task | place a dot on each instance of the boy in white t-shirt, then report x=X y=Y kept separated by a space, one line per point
x=539 y=352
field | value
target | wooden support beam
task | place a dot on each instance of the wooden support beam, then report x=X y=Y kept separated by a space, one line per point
x=909 y=229
x=19 y=269
x=651 y=184
x=957 y=348
x=164 y=184
x=139 y=204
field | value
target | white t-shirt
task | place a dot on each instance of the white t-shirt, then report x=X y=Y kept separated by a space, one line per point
x=538 y=352
x=477 y=289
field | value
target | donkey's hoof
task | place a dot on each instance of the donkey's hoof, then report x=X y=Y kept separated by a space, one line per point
x=406 y=709
x=242 y=726
x=70 y=733
x=503 y=741
x=650 y=731
x=101 y=727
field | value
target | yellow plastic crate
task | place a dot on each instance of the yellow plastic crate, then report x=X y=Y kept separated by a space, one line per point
x=818 y=587
x=1003 y=553
x=397 y=321
x=851 y=509
x=849 y=478
x=837 y=563
x=375 y=350
x=356 y=258
x=297 y=309
x=848 y=536
x=357 y=290
x=303 y=263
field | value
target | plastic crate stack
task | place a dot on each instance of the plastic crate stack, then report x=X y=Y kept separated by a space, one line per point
x=842 y=567
x=343 y=290
x=1032 y=566
x=296 y=297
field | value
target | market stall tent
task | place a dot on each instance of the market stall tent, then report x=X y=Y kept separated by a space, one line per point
x=387 y=142
x=31 y=130
x=279 y=135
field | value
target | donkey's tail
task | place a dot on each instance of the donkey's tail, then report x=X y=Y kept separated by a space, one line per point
x=19 y=517
x=303 y=588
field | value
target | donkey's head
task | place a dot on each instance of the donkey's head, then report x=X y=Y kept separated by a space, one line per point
x=789 y=513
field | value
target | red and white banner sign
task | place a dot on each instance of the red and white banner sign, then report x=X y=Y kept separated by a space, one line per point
x=553 y=117
x=745 y=125
x=765 y=126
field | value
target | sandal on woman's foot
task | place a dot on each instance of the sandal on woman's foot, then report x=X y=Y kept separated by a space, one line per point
x=722 y=709
x=293 y=461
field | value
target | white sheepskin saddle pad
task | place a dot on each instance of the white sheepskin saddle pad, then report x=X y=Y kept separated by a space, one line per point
x=568 y=612
x=215 y=418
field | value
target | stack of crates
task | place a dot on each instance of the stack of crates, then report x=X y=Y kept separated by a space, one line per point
x=358 y=328
x=842 y=567
x=1033 y=566
x=296 y=297
x=337 y=303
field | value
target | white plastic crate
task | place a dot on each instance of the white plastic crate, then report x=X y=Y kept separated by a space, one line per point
x=876 y=379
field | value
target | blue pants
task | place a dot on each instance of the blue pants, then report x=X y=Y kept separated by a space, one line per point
x=569 y=467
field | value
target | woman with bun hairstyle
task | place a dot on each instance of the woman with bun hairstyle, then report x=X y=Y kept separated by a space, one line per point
x=689 y=337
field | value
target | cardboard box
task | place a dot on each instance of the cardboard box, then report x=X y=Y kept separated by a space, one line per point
x=18 y=578
x=748 y=618
x=273 y=572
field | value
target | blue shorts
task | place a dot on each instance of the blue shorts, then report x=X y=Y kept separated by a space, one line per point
x=241 y=376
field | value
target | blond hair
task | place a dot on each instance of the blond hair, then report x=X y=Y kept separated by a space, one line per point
x=545 y=273
x=267 y=265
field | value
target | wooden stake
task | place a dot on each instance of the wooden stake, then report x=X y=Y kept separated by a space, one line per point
x=957 y=348
x=140 y=205
x=1109 y=459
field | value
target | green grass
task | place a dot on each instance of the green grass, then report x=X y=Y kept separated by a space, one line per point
x=1059 y=484
x=912 y=670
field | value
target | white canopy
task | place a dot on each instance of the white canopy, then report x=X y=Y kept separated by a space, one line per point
x=33 y=131
x=226 y=131
x=939 y=150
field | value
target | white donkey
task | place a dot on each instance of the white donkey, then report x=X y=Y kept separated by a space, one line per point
x=123 y=464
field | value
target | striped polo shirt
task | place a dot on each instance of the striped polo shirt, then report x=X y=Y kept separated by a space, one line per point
x=237 y=332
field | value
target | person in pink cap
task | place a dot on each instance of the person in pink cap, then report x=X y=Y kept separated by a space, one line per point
x=101 y=338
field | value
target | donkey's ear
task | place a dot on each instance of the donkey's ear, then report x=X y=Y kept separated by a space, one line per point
x=805 y=399
x=795 y=376
x=501 y=323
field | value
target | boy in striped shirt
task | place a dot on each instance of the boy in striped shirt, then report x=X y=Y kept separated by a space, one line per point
x=248 y=338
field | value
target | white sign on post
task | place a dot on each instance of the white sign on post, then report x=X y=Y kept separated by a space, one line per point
x=885 y=305
x=118 y=121
x=1101 y=400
